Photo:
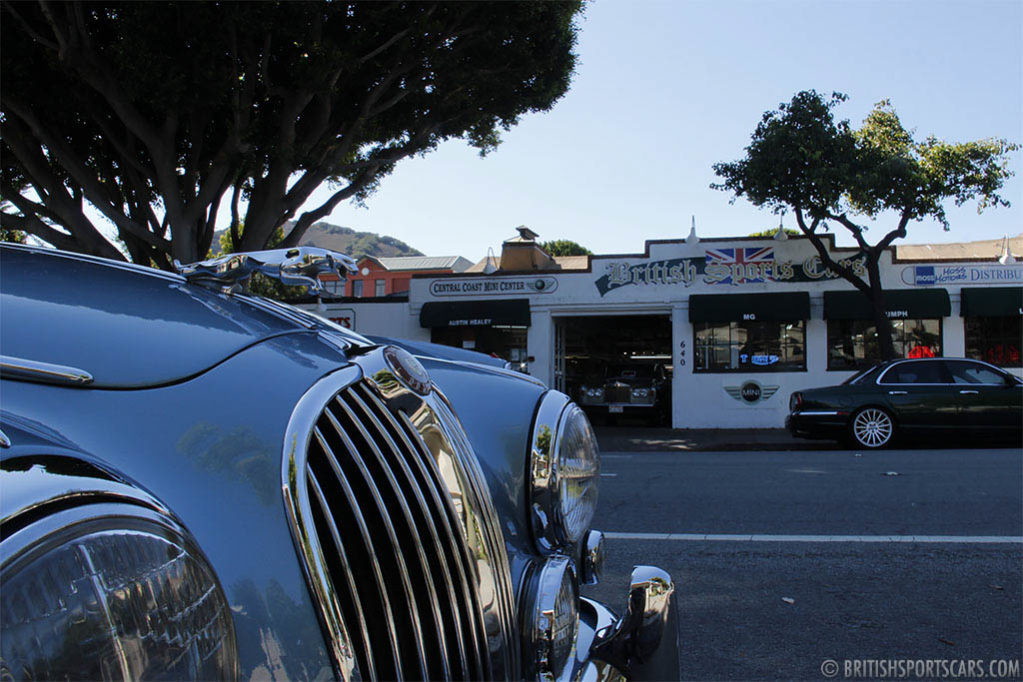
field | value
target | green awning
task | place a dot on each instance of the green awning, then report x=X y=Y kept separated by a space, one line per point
x=475 y=313
x=782 y=307
x=992 y=301
x=900 y=304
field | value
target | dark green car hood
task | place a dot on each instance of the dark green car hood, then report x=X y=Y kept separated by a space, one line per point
x=128 y=327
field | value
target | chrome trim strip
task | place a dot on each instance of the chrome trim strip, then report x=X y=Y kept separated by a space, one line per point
x=45 y=372
x=5 y=442
x=412 y=614
x=297 y=503
x=367 y=540
x=443 y=513
x=391 y=464
x=491 y=555
x=903 y=361
x=349 y=579
x=452 y=508
x=821 y=413
x=543 y=494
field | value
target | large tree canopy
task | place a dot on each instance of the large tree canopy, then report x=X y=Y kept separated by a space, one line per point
x=156 y=113
x=826 y=173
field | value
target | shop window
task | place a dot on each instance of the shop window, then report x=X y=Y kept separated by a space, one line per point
x=995 y=340
x=766 y=346
x=507 y=342
x=379 y=287
x=853 y=344
x=357 y=288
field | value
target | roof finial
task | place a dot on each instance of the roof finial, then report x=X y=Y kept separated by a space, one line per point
x=781 y=234
x=490 y=265
x=1006 y=258
x=692 y=238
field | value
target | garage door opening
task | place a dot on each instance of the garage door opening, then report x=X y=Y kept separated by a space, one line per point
x=618 y=368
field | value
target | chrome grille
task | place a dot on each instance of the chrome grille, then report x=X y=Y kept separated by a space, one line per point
x=391 y=544
x=618 y=393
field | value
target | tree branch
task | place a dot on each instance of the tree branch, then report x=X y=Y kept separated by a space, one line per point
x=34 y=226
x=310 y=217
x=85 y=179
x=843 y=269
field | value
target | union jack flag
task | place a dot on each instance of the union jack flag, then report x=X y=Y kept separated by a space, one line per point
x=742 y=256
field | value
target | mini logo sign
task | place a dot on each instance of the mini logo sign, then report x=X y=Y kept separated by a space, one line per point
x=751 y=392
x=408 y=370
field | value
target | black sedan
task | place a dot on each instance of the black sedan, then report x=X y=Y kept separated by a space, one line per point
x=926 y=396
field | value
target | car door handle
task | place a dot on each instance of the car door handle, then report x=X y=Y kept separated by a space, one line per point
x=896 y=393
x=965 y=392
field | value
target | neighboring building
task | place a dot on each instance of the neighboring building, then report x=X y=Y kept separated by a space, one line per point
x=379 y=277
x=737 y=323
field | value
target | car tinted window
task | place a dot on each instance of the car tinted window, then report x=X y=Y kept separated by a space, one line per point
x=930 y=372
x=863 y=376
x=964 y=372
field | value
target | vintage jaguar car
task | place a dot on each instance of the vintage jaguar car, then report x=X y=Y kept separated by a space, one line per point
x=201 y=484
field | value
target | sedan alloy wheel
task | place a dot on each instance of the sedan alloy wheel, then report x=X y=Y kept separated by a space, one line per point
x=872 y=427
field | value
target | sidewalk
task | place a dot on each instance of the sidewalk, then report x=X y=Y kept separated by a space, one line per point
x=648 y=439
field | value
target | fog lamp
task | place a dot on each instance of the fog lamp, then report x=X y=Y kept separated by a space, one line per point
x=555 y=617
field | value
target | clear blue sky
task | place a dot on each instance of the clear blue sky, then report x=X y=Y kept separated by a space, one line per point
x=665 y=89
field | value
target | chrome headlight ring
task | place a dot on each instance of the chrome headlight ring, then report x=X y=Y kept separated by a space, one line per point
x=137 y=598
x=564 y=474
x=554 y=616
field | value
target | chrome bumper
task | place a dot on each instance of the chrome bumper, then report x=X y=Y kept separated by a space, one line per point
x=641 y=645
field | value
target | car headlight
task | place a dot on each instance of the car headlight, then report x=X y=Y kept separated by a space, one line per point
x=642 y=393
x=565 y=473
x=108 y=595
x=555 y=617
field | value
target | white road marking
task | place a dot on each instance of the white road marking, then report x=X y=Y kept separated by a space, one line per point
x=712 y=537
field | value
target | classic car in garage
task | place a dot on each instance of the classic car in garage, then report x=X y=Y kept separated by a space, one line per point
x=931 y=397
x=627 y=388
x=201 y=484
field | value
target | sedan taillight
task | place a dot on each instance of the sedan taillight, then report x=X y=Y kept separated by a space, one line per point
x=795 y=402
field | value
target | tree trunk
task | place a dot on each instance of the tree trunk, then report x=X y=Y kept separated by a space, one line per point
x=882 y=324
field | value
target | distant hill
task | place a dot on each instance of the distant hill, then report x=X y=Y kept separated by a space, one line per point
x=348 y=241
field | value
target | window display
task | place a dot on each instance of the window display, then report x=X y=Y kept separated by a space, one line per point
x=853 y=344
x=750 y=346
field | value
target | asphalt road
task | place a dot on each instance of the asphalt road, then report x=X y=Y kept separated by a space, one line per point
x=923 y=565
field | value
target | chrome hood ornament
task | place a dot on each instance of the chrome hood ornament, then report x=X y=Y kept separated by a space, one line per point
x=298 y=266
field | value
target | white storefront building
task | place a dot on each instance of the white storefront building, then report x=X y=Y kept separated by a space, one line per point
x=740 y=322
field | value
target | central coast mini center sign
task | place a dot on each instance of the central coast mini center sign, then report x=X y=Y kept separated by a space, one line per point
x=518 y=286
